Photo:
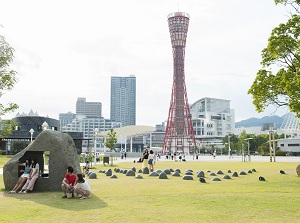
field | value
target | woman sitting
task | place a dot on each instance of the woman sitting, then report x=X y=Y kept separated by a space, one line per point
x=34 y=174
x=82 y=187
x=23 y=177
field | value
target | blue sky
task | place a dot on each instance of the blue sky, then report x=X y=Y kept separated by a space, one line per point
x=70 y=49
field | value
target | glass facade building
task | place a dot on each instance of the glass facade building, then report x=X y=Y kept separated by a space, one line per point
x=90 y=109
x=123 y=100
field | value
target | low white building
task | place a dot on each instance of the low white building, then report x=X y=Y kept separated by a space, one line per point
x=289 y=144
x=88 y=125
x=212 y=120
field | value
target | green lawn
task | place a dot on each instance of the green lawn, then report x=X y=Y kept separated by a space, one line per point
x=127 y=199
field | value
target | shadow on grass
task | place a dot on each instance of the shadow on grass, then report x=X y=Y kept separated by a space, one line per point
x=54 y=200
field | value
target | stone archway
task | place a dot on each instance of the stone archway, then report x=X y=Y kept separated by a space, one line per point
x=62 y=153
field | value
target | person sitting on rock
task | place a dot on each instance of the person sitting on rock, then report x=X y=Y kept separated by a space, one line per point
x=69 y=181
x=34 y=174
x=23 y=177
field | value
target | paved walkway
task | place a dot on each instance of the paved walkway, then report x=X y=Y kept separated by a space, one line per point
x=211 y=159
x=224 y=158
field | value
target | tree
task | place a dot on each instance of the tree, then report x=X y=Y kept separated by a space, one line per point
x=7 y=81
x=111 y=141
x=233 y=142
x=278 y=81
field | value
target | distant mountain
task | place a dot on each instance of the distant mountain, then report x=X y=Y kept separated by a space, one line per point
x=251 y=122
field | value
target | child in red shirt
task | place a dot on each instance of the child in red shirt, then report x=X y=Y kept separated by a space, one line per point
x=69 y=181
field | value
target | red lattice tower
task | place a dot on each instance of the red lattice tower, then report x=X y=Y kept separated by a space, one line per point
x=179 y=131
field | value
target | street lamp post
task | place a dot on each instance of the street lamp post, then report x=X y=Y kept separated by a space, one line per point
x=229 y=150
x=95 y=145
x=121 y=149
x=272 y=138
x=31 y=133
x=249 y=149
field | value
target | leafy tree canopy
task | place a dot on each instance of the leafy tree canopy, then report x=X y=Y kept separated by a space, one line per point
x=278 y=82
x=111 y=139
x=7 y=81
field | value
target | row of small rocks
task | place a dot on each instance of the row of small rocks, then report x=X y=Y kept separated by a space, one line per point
x=176 y=173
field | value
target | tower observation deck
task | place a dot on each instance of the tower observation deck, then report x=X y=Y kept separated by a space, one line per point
x=179 y=136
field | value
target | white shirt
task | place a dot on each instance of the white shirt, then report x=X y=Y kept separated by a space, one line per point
x=151 y=156
x=84 y=186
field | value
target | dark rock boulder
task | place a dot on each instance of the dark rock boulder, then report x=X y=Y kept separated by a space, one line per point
x=226 y=177
x=138 y=176
x=146 y=170
x=188 y=177
x=167 y=171
x=93 y=176
x=178 y=170
x=235 y=174
x=108 y=172
x=202 y=180
x=220 y=172
x=153 y=174
x=261 y=178
x=163 y=175
x=201 y=174
x=130 y=173
x=176 y=174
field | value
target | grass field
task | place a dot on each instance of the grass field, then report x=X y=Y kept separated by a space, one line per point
x=127 y=199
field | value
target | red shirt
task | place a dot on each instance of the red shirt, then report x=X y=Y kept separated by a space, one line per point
x=71 y=179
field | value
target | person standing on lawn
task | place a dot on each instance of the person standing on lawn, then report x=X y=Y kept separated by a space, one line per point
x=151 y=160
x=145 y=158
